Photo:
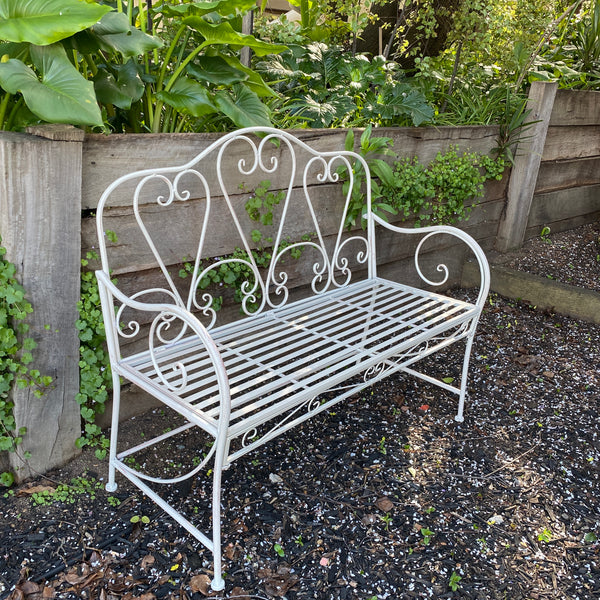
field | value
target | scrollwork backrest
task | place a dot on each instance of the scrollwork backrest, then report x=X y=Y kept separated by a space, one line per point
x=226 y=245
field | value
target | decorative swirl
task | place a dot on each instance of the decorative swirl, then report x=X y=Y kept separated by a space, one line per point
x=133 y=325
x=313 y=404
x=186 y=194
x=206 y=309
x=248 y=436
x=340 y=263
x=280 y=279
x=160 y=200
x=248 y=288
x=441 y=268
x=374 y=371
x=160 y=323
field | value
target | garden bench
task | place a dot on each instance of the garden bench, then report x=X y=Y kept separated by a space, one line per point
x=299 y=349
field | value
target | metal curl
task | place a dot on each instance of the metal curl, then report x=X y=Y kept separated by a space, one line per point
x=159 y=199
x=206 y=309
x=186 y=194
x=160 y=322
x=248 y=289
x=247 y=437
x=441 y=268
x=340 y=263
x=374 y=371
x=133 y=325
x=313 y=404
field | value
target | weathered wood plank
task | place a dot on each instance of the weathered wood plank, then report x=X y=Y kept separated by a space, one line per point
x=576 y=141
x=563 y=205
x=576 y=107
x=511 y=230
x=41 y=231
x=562 y=174
x=107 y=158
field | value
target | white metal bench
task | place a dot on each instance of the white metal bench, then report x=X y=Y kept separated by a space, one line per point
x=247 y=381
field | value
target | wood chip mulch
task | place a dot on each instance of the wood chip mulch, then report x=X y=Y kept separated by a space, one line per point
x=387 y=497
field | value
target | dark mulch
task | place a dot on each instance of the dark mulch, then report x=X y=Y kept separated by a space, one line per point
x=387 y=497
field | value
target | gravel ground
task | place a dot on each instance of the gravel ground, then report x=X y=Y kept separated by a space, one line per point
x=387 y=497
x=571 y=257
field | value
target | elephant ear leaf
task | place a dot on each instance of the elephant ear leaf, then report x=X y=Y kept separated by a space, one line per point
x=243 y=106
x=62 y=95
x=44 y=22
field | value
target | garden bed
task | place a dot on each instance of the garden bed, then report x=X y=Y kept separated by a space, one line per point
x=387 y=497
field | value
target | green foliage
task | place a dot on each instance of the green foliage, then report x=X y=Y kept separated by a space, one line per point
x=437 y=193
x=67 y=493
x=95 y=376
x=324 y=86
x=129 y=68
x=454 y=582
x=433 y=194
x=571 y=55
x=260 y=206
x=371 y=148
x=15 y=357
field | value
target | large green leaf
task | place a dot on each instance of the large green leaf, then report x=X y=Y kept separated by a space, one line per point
x=222 y=7
x=254 y=82
x=243 y=107
x=44 y=22
x=188 y=96
x=127 y=88
x=217 y=70
x=62 y=96
x=114 y=34
x=224 y=33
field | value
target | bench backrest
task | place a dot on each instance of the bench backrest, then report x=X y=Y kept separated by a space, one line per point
x=258 y=209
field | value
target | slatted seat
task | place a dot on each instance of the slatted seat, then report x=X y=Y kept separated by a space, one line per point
x=248 y=381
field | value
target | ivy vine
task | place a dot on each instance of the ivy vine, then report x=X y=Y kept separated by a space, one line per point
x=95 y=376
x=15 y=358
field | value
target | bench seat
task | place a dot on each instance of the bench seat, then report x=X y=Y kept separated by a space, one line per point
x=284 y=358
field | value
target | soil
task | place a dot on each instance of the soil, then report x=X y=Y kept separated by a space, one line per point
x=387 y=497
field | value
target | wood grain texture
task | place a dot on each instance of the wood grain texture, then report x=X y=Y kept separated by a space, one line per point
x=564 y=174
x=576 y=107
x=562 y=207
x=42 y=233
x=511 y=230
x=576 y=141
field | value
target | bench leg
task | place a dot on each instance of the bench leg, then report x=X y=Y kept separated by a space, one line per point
x=111 y=486
x=218 y=583
x=464 y=376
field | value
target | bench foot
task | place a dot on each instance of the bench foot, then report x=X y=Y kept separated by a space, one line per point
x=111 y=487
x=459 y=419
x=217 y=585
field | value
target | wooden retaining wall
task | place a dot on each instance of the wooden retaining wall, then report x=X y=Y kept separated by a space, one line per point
x=556 y=179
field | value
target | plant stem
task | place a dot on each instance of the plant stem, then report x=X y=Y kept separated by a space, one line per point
x=3 y=107
x=183 y=65
x=13 y=113
x=167 y=57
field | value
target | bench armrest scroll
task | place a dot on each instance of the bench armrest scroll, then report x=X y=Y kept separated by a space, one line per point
x=166 y=314
x=428 y=232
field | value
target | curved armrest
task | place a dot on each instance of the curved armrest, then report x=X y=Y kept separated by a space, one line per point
x=427 y=232
x=166 y=313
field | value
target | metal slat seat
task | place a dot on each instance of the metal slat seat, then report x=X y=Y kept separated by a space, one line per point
x=299 y=351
